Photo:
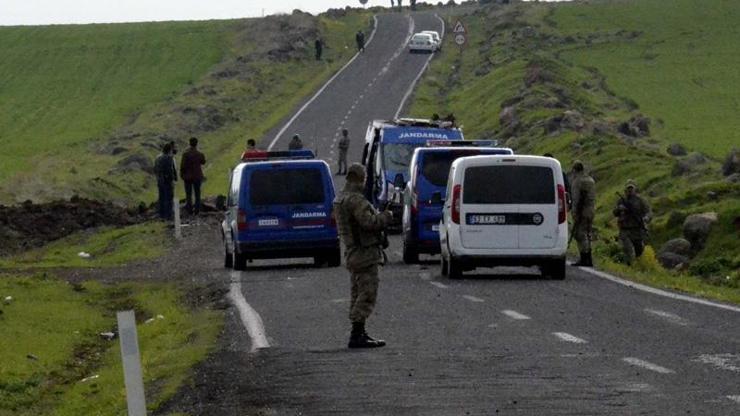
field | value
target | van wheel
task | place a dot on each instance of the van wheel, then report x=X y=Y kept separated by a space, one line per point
x=335 y=258
x=228 y=260
x=444 y=265
x=555 y=269
x=239 y=261
x=454 y=271
x=410 y=255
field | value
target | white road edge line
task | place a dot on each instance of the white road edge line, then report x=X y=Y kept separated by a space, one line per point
x=321 y=90
x=564 y=336
x=250 y=318
x=473 y=298
x=439 y=285
x=421 y=73
x=658 y=292
x=647 y=365
x=515 y=315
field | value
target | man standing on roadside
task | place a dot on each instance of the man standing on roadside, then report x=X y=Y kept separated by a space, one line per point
x=583 y=190
x=361 y=231
x=191 y=172
x=633 y=213
x=319 y=46
x=251 y=148
x=343 y=148
x=360 y=39
x=164 y=169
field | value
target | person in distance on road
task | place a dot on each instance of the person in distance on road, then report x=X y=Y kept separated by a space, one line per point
x=584 y=206
x=295 y=143
x=633 y=213
x=191 y=171
x=164 y=169
x=360 y=39
x=251 y=148
x=361 y=232
x=343 y=148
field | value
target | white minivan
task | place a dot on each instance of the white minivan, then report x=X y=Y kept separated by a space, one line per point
x=504 y=210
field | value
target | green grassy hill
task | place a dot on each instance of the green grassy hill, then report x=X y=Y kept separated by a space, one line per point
x=612 y=83
x=84 y=108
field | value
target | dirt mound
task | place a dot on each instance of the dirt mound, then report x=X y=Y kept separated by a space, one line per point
x=30 y=225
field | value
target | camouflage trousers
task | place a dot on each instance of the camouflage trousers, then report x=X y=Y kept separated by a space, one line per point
x=364 y=293
x=342 y=161
x=582 y=234
x=633 y=243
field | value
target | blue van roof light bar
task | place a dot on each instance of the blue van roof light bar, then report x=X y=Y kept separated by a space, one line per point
x=260 y=155
x=462 y=143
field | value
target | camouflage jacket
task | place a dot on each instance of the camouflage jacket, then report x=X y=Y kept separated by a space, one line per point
x=583 y=194
x=344 y=144
x=360 y=227
x=632 y=212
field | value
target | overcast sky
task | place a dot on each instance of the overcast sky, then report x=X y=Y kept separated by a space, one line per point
x=42 y=12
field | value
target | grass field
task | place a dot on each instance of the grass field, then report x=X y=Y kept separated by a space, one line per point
x=54 y=361
x=542 y=62
x=681 y=69
x=77 y=100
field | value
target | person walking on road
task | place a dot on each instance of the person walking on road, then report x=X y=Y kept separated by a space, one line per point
x=295 y=143
x=319 y=46
x=360 y=39
x=583 y=188
x=191 y=171
x=251 y=148
x=343 y=148
x=633 y=213
x=361 y=232
x=164 y=169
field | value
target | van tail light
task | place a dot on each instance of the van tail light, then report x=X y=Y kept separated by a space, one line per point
x=415 y=203
x=241 y=220
x=332 y=220
x=456 y=191
x=562 y=210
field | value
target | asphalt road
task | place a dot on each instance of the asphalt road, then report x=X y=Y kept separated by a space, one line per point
x=496 y=342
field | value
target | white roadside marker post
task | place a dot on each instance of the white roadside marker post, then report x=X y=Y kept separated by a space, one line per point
x=176 y=212
x=132 y=373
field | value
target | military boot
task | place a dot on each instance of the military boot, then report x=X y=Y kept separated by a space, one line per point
x=585 y=260
x=360 y=339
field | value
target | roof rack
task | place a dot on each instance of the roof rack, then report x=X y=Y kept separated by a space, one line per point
x=261 y=155
x=422 y=122
x=462 y=143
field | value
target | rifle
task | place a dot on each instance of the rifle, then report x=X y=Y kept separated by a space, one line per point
x=639 y=219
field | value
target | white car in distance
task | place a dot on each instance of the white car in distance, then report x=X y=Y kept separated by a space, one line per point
x=422 y=42
x=435 y=36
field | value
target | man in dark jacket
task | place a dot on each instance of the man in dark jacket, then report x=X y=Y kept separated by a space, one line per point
x=633 y=213
x=360 y=229
x=319 y=46
x=295 y=143
x=192 y=175
x=164 y=169
x=360 y=39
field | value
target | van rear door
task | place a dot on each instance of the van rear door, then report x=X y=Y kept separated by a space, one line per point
x=509 y=206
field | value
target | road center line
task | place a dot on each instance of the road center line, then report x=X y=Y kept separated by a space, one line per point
x=250 y=318
x=735 y=399
x=647 y=365
x=515 y=315
x=439 y=285
x=473 y=298
x=569 y=338
x=729 y=362
x=670 y=317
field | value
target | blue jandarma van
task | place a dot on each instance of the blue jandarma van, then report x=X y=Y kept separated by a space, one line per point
x=280 y=206
x=389 y=146
x=426 y=192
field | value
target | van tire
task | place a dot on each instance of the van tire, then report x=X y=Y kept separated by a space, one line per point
x=444 y=265
x=555 y=269
x=228 y=260
x=239 y=261
x=454 y=271
x=335 y=258
x=410 y=255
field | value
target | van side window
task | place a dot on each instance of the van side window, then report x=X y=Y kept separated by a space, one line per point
x=234 y=187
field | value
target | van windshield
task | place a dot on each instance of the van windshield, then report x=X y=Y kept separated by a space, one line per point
x=514 y=184
x=397 y=156
x=436 y=165
x=286 y=187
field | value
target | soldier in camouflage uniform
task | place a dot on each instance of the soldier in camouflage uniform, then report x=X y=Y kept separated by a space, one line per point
x=343 y=148
x=632 y=213
x=360 y=229
x=583 y=194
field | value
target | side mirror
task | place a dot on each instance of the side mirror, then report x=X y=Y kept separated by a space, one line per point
x=398 y=181
x=436 y=198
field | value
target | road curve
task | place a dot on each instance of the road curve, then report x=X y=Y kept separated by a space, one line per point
x=501 y=342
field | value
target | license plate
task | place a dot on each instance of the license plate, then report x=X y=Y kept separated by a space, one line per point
x=435 y=227
x=268 y=222
x=487 y=219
